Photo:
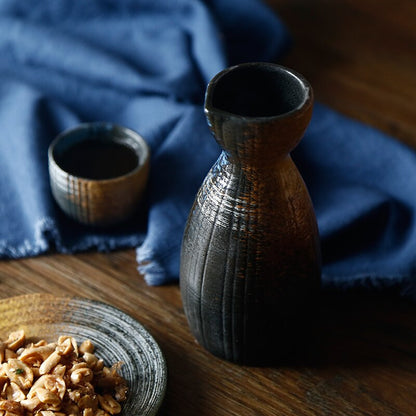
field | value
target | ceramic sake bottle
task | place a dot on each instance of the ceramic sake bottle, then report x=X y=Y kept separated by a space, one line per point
x=250 y=260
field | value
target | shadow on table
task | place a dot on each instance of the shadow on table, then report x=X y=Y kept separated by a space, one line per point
x=352 y=331
x=358 y=329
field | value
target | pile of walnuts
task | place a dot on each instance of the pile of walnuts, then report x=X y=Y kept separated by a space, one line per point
x=57 y=379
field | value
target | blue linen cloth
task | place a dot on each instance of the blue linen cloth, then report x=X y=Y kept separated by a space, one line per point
x=145 y=64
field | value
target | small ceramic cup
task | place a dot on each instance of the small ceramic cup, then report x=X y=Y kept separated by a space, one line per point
x=98 y=172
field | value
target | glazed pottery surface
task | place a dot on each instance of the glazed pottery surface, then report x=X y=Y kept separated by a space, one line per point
x=98 y=172
x=250 y=260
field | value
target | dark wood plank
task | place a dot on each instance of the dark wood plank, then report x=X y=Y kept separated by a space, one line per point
x=359 y=57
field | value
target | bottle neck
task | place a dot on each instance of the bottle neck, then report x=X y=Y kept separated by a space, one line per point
x=258 y=112
x=257 y=143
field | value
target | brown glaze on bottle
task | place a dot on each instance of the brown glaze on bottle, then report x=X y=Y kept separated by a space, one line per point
x=250 y=261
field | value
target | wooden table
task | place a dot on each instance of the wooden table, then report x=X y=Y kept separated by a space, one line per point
x=360 y=56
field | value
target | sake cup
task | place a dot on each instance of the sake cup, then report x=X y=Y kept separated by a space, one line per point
x=98 y=172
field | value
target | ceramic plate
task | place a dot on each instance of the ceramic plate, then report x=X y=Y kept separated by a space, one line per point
x=117 y=337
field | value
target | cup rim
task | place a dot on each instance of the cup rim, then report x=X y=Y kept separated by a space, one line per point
x=143 y=154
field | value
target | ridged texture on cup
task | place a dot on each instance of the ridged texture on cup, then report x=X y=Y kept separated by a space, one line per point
x=99 y=202
x=93 y=202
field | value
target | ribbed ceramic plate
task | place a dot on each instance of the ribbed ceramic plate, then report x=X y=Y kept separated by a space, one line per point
x=117 y=337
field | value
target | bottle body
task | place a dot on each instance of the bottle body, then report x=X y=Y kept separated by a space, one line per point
x=250 y=259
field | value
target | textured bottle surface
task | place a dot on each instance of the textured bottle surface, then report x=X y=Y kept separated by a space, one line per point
x=250 y=260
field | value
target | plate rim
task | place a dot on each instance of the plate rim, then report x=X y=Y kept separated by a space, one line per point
x=159 y=395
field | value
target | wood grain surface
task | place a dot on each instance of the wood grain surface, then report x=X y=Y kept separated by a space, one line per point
x=360 y=57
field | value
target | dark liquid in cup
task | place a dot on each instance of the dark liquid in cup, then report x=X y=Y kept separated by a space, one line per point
x=98 y=159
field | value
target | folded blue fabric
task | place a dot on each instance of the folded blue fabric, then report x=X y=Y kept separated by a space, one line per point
x=145 y=64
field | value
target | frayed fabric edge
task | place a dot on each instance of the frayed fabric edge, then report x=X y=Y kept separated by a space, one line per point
x=403 y=285
x=47 y=236
x=156 y=275
x=45 y=233
x=152 y=270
